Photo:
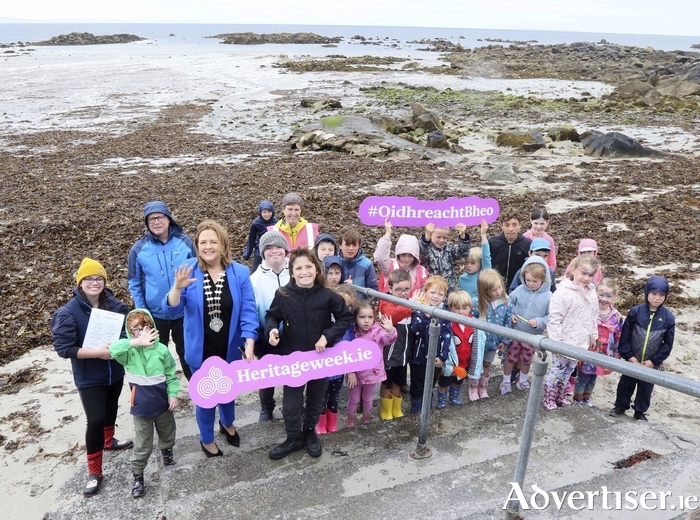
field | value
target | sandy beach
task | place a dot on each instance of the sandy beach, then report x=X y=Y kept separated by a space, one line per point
x=92 y=133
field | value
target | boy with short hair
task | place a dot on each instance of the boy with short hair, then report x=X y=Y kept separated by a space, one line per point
x=358 y=268
x=272 y=274
x=396 y=355
x=509 y=249
x=333 y=266
x=439 y=256
x=265 y=219
x=325 y=246
x=646 y=339
x=150 y=370
x=539 y=247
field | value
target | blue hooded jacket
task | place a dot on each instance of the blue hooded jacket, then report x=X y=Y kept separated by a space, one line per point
x=334 y=260
x=532 y=304
x=648 y=335
x=258 y=228
x=326 y=238
x=152 y=264
x=361 y=269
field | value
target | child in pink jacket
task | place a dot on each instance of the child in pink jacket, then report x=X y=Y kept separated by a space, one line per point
x=573 y=319
x=363 y=383
x=406 y=257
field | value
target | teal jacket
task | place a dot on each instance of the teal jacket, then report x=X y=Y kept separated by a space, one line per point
x=150 y=372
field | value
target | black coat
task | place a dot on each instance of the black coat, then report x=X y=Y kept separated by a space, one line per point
x=304 y=315
x=508 y=258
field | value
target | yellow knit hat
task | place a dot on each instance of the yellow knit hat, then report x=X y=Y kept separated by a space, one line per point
x=90 y=267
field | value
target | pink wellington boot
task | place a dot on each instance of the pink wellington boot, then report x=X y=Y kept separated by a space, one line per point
x=366 y=416
x=331 y=421
x=350 y=421
x=321 y=426
x=562 y=391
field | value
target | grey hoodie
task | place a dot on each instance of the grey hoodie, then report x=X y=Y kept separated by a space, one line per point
x=529 y=304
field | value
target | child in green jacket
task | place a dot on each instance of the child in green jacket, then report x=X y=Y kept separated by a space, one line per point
x=150 y=370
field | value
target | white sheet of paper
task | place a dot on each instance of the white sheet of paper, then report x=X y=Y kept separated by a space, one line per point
x=103 y=328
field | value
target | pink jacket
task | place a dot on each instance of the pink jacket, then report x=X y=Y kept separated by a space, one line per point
x=382 y=338
x=405 y=244
x=573 y=314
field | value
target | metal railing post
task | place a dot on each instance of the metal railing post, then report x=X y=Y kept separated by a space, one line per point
x=539 y=369
x=422 y=450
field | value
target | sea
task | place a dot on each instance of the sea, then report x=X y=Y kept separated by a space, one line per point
x=109 y=88
x=183 y=34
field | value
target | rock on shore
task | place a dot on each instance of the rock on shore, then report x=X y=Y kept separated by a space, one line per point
x=250 y=38
x=76 y=38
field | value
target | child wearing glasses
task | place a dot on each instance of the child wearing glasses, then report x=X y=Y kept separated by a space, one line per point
x=406 y=257
x=573 y=319
x=150 y=370
x=609 y=330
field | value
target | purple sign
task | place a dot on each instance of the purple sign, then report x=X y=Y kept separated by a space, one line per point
x=219 y=382
x=408 y=211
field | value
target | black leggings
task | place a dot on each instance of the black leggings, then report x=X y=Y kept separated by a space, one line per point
x=166 y=328
x=100 y=405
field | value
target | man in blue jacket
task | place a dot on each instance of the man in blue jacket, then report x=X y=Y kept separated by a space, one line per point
x=152 y=264
x=646 y=339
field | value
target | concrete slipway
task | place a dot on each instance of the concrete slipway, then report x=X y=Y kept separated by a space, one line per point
x=366 y=471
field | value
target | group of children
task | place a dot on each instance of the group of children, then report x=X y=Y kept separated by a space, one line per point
x=515 y=288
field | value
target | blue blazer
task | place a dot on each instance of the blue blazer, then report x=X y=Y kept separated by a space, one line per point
x=244 y=318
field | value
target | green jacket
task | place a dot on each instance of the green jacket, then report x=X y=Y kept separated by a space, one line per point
x=150 y=372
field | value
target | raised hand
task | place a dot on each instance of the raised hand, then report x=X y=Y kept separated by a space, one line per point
x=385 y=322
x=182 y=277
x=274 y=338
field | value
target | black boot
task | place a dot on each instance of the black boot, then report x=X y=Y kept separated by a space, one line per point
x=290 y=445
x=139 y=488
x=313 y=446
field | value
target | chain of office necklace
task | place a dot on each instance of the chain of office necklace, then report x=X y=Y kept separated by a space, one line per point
x=214 y=301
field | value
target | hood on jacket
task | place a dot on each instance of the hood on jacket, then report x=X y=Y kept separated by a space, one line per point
x=588 y=244
x=656 y=284
x=266 y=204
x=326 y=238
x=334 y=260
x=534 y=259
x=157 y=206
x=126 y=322
x=408 y=244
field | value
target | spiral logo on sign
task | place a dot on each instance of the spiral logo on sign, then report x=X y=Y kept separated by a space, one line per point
x=214 y=383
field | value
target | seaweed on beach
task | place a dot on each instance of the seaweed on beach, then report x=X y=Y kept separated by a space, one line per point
x=67 y=197
x=12 y=383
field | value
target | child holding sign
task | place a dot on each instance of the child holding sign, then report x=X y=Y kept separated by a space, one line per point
x=406 y=257
x=439 y=256
x=363 y=383
x=307 y=308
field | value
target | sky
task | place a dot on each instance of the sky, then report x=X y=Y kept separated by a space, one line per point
x=667 y=17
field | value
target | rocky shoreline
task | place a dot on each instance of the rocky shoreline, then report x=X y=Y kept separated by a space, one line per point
x=76 y=38
x=250 y=38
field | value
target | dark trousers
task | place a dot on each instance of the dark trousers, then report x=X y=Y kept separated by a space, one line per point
x=100 y=405
x=330 y=401
x=625 y=389
x=293 y=401
x=174 y=327
x=418 y=380
x=267 y=399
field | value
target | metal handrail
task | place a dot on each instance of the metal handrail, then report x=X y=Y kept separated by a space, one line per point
x=539 y=369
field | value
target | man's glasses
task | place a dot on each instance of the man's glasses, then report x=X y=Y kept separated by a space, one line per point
x=151 y=220
x=94 y=280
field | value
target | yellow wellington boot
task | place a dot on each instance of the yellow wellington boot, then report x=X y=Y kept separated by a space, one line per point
x=385 y=408
x=396 y=407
